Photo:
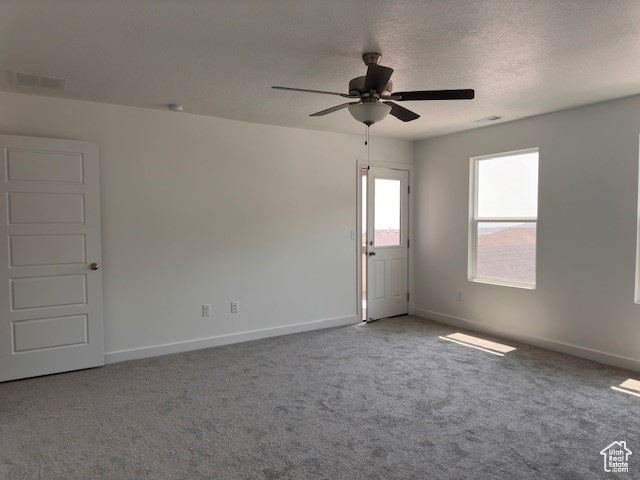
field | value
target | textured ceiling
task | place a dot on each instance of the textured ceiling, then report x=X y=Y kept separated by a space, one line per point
x=219 y=58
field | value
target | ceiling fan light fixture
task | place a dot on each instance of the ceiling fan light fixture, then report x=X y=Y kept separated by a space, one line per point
x=369 y=112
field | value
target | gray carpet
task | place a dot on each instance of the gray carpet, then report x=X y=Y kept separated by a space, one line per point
x=386 y=400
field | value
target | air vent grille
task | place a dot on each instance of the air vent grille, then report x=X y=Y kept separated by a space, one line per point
x=34 y=80
x=491 y=118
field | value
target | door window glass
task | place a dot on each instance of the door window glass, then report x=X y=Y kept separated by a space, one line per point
x=387 y=213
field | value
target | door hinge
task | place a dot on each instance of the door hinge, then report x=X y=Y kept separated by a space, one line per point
x=408 y=243
x=409 y=189
x=407 y=296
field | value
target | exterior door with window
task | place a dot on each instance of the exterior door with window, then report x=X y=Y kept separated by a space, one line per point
x=50 y=281
x=387 y=242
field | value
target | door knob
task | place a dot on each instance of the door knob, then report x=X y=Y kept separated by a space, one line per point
x=371 y=254
x=94 y=266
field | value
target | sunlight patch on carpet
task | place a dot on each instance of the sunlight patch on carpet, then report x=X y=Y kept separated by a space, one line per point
x=629 y=386
x=478 y=343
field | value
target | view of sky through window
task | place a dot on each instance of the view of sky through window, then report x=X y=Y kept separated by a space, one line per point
x=387 y=212
x=508 y=186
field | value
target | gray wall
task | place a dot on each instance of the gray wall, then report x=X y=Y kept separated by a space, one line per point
x=588 y=198
x=201 y=210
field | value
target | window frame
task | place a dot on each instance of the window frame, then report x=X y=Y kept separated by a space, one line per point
x=474 y=221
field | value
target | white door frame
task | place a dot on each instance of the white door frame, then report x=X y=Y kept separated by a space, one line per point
x=360 y=164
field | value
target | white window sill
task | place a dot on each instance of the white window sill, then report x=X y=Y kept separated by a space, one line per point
x=503 y=283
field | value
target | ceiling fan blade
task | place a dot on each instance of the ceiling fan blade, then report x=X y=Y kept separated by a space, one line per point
x=332 y=109
x=466 y=94
x=377 y=77
x=402 y=113
x=346 y=95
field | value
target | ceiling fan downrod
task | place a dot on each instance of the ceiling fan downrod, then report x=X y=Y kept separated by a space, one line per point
x=371 y=58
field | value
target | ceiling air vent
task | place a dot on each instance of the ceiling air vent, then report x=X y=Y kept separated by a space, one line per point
x=22 y=79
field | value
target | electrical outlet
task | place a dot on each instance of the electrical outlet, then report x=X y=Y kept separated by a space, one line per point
x=459 y=296
x=354 y=234
x=235 y=306
x=206 y=310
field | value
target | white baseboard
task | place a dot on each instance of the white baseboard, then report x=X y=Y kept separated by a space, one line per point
x=197 y=344
x=556 y=346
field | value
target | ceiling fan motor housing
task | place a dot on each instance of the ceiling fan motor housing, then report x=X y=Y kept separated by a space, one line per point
x=356 y=87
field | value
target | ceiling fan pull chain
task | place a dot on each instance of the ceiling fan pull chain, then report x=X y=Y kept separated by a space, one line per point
x=368 y=144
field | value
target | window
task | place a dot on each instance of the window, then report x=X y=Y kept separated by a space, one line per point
x=386 y=222
x=504 y=214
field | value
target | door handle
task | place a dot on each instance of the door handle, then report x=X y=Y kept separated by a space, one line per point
x=371 y=254
x=94 y=266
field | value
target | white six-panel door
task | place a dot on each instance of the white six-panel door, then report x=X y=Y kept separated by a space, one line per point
x=50 y=293
x=387 y=242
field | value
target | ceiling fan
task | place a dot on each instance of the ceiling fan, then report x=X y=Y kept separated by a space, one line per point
x=376 y=98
